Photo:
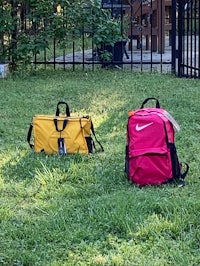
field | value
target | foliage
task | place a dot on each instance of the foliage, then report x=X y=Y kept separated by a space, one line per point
x=81 y=210
x=106 y=29
x=24 y=35
x=27 y=27
x=7 y=23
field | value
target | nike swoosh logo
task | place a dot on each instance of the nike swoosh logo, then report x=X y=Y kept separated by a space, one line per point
x=138 y=128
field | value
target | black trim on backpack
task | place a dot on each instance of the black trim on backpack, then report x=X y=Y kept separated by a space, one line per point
x=174 y=159
x=176 y=165
x=65 y=121
x=126 y=167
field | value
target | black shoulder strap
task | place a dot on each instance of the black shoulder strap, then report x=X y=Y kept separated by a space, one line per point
x=92 y=129
x=183 y=175
x=29 y=136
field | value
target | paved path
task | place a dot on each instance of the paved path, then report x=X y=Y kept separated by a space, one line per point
x=137 y=60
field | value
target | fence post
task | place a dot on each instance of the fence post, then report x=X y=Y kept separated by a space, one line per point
x=180 y=36
x=173 y=36
x=161 y=26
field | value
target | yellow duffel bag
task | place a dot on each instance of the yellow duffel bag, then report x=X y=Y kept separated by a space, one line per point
x=62 y=134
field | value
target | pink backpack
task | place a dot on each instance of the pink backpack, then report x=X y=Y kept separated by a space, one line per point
x=151 y=157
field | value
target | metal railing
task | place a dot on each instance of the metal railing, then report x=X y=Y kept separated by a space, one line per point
x=163 y=35
x=188 y=48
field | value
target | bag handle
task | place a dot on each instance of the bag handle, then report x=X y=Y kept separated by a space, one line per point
x=67 y=109
x=63 y=126
x=152 y=98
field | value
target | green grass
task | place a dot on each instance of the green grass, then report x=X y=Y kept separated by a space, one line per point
x=81 y=210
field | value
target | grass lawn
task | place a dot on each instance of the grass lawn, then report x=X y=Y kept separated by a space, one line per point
x=81 y=210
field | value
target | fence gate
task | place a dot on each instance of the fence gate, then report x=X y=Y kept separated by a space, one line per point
x=186 y=45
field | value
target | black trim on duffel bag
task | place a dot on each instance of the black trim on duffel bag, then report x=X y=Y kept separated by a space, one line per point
x=29 y=136
x=93 y=132
x=67 y=112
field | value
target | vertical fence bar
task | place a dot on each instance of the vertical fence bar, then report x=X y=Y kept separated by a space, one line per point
x=180 y=37
x=195 y=37
x=83 y=49
x=54 y=53
x=151 y=21
x=187 y=25
x=131 y=32
x=198 y=10
x=141 y=41
x=173 y=36
x=191 y=39
x=161 y=29
x=161 y=25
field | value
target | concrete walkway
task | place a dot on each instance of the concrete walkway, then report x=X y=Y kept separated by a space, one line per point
x=139 y=59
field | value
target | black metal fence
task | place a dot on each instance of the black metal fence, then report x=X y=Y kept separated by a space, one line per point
x=188 y=45
x=163 y=35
